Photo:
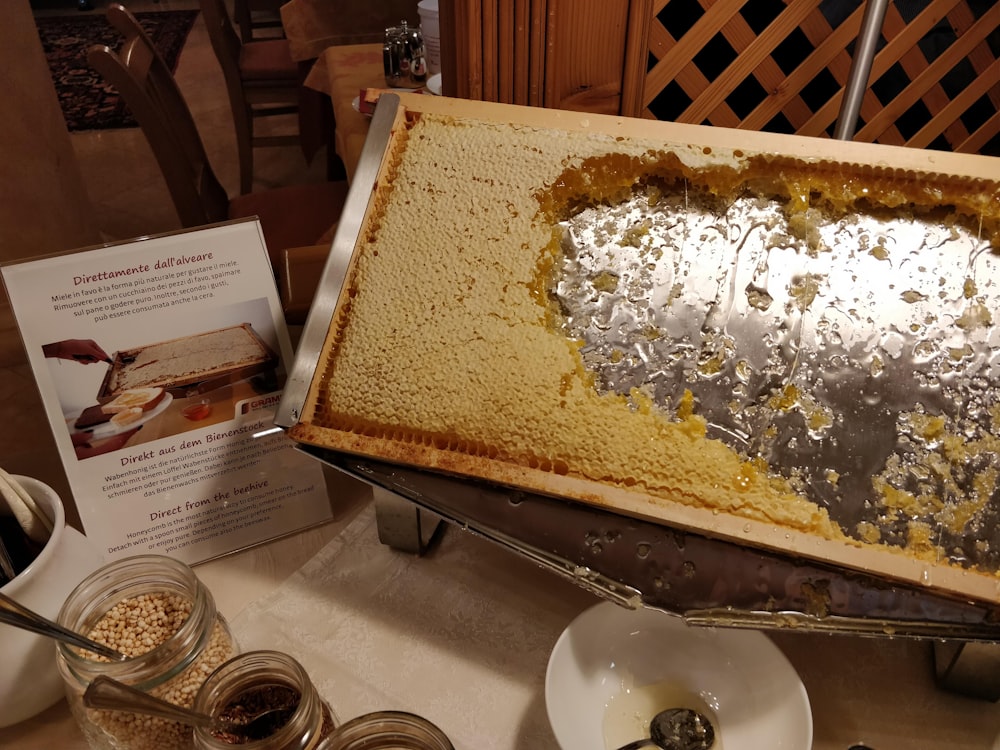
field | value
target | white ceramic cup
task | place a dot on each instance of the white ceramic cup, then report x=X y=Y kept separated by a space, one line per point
x=430 y=30
x=29 y=678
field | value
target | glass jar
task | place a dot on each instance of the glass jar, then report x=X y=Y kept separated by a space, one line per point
x=387 y=730
x=156 y=611
x=254 y=682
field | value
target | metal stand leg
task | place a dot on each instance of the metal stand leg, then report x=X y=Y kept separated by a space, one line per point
x=401 y=524
x=861 y=68
x=970 y=669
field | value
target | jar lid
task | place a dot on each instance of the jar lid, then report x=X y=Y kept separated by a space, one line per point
x=387 y=730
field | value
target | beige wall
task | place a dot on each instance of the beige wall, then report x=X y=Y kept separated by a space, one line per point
x=44 y=208
x=43 y=203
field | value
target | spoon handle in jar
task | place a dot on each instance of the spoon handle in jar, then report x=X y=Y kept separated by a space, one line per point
x=13 y=613
x=107 y=693
x=639 y=744
x=6 y=564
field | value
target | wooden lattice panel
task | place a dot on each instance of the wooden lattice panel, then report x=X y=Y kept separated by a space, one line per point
x=782 y=66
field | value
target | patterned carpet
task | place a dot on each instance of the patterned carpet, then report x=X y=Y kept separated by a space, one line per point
x=87 y=102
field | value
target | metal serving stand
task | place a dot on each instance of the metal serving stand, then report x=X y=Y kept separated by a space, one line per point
x=633 y=562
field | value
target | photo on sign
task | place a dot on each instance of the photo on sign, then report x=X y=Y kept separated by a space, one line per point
x=164 y=386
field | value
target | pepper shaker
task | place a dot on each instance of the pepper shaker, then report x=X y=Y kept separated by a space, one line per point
x=404 y=57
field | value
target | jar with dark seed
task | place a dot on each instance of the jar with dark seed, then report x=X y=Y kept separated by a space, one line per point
x=156 y=611
x=258 y=681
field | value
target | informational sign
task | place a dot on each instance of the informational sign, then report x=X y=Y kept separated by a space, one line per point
x=160 y=362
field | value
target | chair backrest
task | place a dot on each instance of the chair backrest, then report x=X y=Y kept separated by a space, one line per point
x=251 y=15
x=227 y=46
x=146 y=84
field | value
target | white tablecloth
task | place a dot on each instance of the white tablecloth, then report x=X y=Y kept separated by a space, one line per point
x=460 y=635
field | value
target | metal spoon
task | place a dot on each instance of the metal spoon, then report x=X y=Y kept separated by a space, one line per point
x=106 y=693
x=6 y=564
x=677 y=729
x=16 y=614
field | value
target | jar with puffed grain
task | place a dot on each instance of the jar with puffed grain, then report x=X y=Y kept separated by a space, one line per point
x=157 y=612
x=247 y=686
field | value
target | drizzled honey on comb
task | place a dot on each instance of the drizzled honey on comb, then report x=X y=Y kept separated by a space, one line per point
x=476 y=339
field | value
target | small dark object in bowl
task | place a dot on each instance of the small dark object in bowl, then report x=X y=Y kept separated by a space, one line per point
x=252 y=702
x=682 y=729
x=197 y=411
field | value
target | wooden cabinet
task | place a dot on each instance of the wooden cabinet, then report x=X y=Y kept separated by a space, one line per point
x=563 y=54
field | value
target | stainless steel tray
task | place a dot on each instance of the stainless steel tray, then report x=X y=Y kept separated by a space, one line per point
x=706 y=581
x=922 y=598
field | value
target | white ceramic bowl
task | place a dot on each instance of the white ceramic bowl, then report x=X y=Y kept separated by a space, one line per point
x=613 y=669
x=29 y=679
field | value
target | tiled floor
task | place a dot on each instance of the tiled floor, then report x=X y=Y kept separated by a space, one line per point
x=130 y=199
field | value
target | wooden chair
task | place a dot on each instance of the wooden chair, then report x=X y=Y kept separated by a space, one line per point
x=263 y=82
x=293 y=216
x=258 y=19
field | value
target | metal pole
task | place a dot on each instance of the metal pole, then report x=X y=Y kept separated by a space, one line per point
x=861 y=68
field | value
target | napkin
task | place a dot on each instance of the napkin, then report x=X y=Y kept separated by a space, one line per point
x=16 y=500
x=460 y=635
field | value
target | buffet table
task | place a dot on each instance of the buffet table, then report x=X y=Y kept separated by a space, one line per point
x=341 y=73
x=311 y=26
x=462 y=636
x=344 y=46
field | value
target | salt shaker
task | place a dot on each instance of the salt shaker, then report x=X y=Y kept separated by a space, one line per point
x=404 y=57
